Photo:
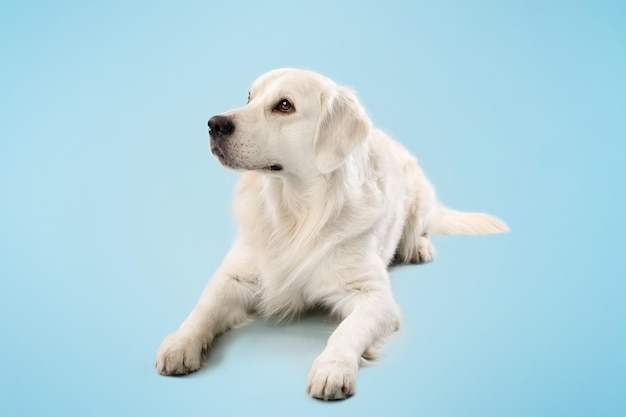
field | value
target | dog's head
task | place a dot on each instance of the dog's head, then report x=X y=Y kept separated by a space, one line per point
x=295 y=121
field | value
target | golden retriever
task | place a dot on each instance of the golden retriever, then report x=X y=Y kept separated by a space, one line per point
x=325 y=204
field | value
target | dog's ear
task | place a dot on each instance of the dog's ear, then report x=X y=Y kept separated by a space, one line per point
x=342 y=126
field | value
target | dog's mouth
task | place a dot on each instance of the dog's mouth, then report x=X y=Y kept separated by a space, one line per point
x=219 y=153
x=275 y=167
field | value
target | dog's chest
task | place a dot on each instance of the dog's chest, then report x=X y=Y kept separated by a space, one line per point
x=295 y=265
x=287 y=288
x=297 y=244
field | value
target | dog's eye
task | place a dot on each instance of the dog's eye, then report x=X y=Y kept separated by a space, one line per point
x=284 y=106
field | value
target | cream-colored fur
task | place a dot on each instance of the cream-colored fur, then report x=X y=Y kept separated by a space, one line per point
x=325 y=203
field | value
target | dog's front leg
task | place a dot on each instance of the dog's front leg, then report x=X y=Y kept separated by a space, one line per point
x=370 y=315
x=228 y=300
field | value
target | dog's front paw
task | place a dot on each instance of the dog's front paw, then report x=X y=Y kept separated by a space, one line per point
x=180 y=353
x=332 y=377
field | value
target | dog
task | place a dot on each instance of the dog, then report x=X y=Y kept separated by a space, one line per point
x=325 y=203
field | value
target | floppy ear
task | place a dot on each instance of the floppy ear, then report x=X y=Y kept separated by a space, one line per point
x=342 y=126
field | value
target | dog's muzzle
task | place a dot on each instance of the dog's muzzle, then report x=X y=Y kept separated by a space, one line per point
x=220 y=129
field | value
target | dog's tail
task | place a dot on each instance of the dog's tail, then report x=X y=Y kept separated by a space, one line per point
x=452 y=222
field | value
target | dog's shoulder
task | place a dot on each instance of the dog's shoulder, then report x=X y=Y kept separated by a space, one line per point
x=387 y=156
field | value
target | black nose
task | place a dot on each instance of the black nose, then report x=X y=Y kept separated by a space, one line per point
x=220 y=126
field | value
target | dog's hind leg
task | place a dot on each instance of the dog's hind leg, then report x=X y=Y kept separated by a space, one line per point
x=414 y=245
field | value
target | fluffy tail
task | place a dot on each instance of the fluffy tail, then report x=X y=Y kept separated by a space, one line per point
x=451 y=222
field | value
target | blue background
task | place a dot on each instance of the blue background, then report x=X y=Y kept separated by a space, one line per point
x=113 y=213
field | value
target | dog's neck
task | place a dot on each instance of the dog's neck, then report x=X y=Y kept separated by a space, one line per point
x=311 y=200
x=299 y=194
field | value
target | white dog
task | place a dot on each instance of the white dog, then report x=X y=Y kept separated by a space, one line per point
x=325 y=204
